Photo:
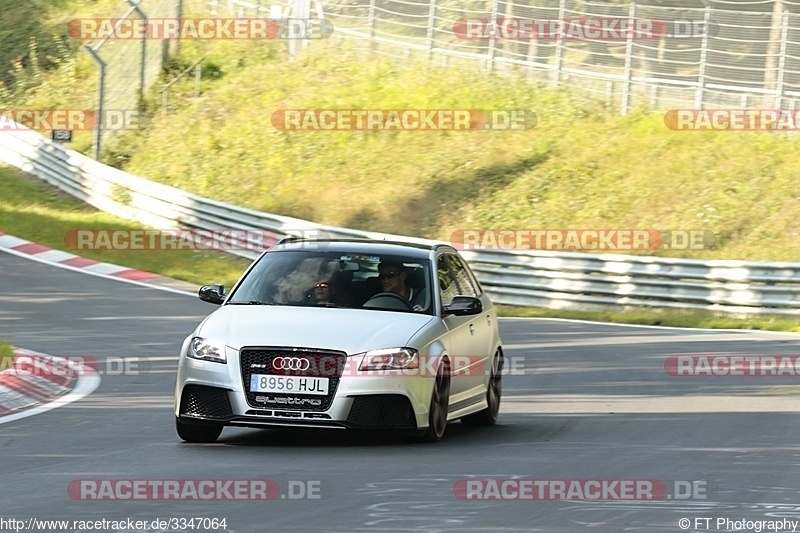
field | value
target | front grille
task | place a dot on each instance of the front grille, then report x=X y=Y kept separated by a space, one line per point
x=382 y=410
x=206 y=402
x=320 y=363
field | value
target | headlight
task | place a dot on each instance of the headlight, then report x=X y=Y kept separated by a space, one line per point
x=207 y=350
x=390 y=359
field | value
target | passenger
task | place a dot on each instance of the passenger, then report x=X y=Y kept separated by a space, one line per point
x=327 y=292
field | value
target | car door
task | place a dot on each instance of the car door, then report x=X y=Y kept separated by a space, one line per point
x=460 y=338
x=480 y=327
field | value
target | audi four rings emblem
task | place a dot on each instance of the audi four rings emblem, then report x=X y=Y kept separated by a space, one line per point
x=290 y=363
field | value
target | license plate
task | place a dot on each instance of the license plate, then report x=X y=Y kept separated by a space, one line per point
x=288 y=384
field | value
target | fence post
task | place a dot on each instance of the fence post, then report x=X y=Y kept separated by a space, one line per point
x=98 y=132
x=372 y=23
x=559 y=59
x=431 y=27
x=142 y=85
x=782 y=61
x=699 y=94
x=492 y=40
x=180 y=18
x=626 y=87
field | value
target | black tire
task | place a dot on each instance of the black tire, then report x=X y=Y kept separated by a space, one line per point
x=440 y=403
x=488 y=417
x=198 y=432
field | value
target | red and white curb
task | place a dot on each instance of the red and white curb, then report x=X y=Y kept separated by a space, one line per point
x=35 y=383
x=24 y=393
x=43 y=254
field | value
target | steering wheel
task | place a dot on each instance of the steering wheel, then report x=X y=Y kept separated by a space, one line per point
x=392 y=295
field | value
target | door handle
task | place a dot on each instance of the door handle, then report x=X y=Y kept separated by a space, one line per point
x=471 y=329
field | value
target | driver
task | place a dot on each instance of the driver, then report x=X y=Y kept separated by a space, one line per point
x=393 y=279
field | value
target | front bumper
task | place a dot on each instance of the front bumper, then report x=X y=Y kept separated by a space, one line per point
x=209 y=392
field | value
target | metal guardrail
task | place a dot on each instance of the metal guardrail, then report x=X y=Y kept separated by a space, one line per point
x=560 y=280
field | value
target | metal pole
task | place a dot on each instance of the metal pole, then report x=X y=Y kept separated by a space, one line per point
x=559 y=59
x=431 y=25
x=142 y=85
x=699 y=95
x=492 y=42
x=98 y=132
x=180 y=21
x=626 y=88
x=372 y=23
x=782 y=61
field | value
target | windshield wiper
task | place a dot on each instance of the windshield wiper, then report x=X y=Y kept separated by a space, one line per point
x=251 y=302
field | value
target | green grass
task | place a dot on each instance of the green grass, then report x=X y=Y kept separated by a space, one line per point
x=688 y=318
x=32 y=210
x=6 y=356
x=581 y=167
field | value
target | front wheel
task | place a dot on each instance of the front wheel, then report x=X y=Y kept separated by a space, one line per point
x=488 y=416
x=198 y=432
x=440 y=403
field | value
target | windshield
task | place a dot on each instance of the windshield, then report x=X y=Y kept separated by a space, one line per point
x=338 y=280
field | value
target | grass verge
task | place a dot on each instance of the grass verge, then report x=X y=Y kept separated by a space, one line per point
x=6 y=356
x=679 y=318
x=32 y=210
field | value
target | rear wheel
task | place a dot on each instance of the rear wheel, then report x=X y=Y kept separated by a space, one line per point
x=488 y=416
x=198 y=432
x=440 y=402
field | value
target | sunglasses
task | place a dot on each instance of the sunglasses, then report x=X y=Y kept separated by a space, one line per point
x=322 y=286
x=388 y=275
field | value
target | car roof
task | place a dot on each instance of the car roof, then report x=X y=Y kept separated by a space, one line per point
x=415 y=250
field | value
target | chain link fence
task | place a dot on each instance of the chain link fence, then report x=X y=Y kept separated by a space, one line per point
x=698 y=54
x=128 y=67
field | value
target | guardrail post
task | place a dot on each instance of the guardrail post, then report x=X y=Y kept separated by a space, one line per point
x=431 y=27
x=559 y=59
x=626 y=87
x=699 y=94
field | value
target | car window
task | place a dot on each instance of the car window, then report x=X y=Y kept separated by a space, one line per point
x=320 y=278
x=448 y=288
x=462 y=277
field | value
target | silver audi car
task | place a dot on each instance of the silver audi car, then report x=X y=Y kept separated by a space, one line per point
x=343 y=334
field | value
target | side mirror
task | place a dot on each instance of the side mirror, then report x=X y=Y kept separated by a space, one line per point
x=213 y=294
x=464 y=305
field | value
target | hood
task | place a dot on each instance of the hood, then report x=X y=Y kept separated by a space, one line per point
x=349 y=330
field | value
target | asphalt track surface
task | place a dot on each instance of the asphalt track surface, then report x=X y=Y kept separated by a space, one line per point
x=586 y=401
